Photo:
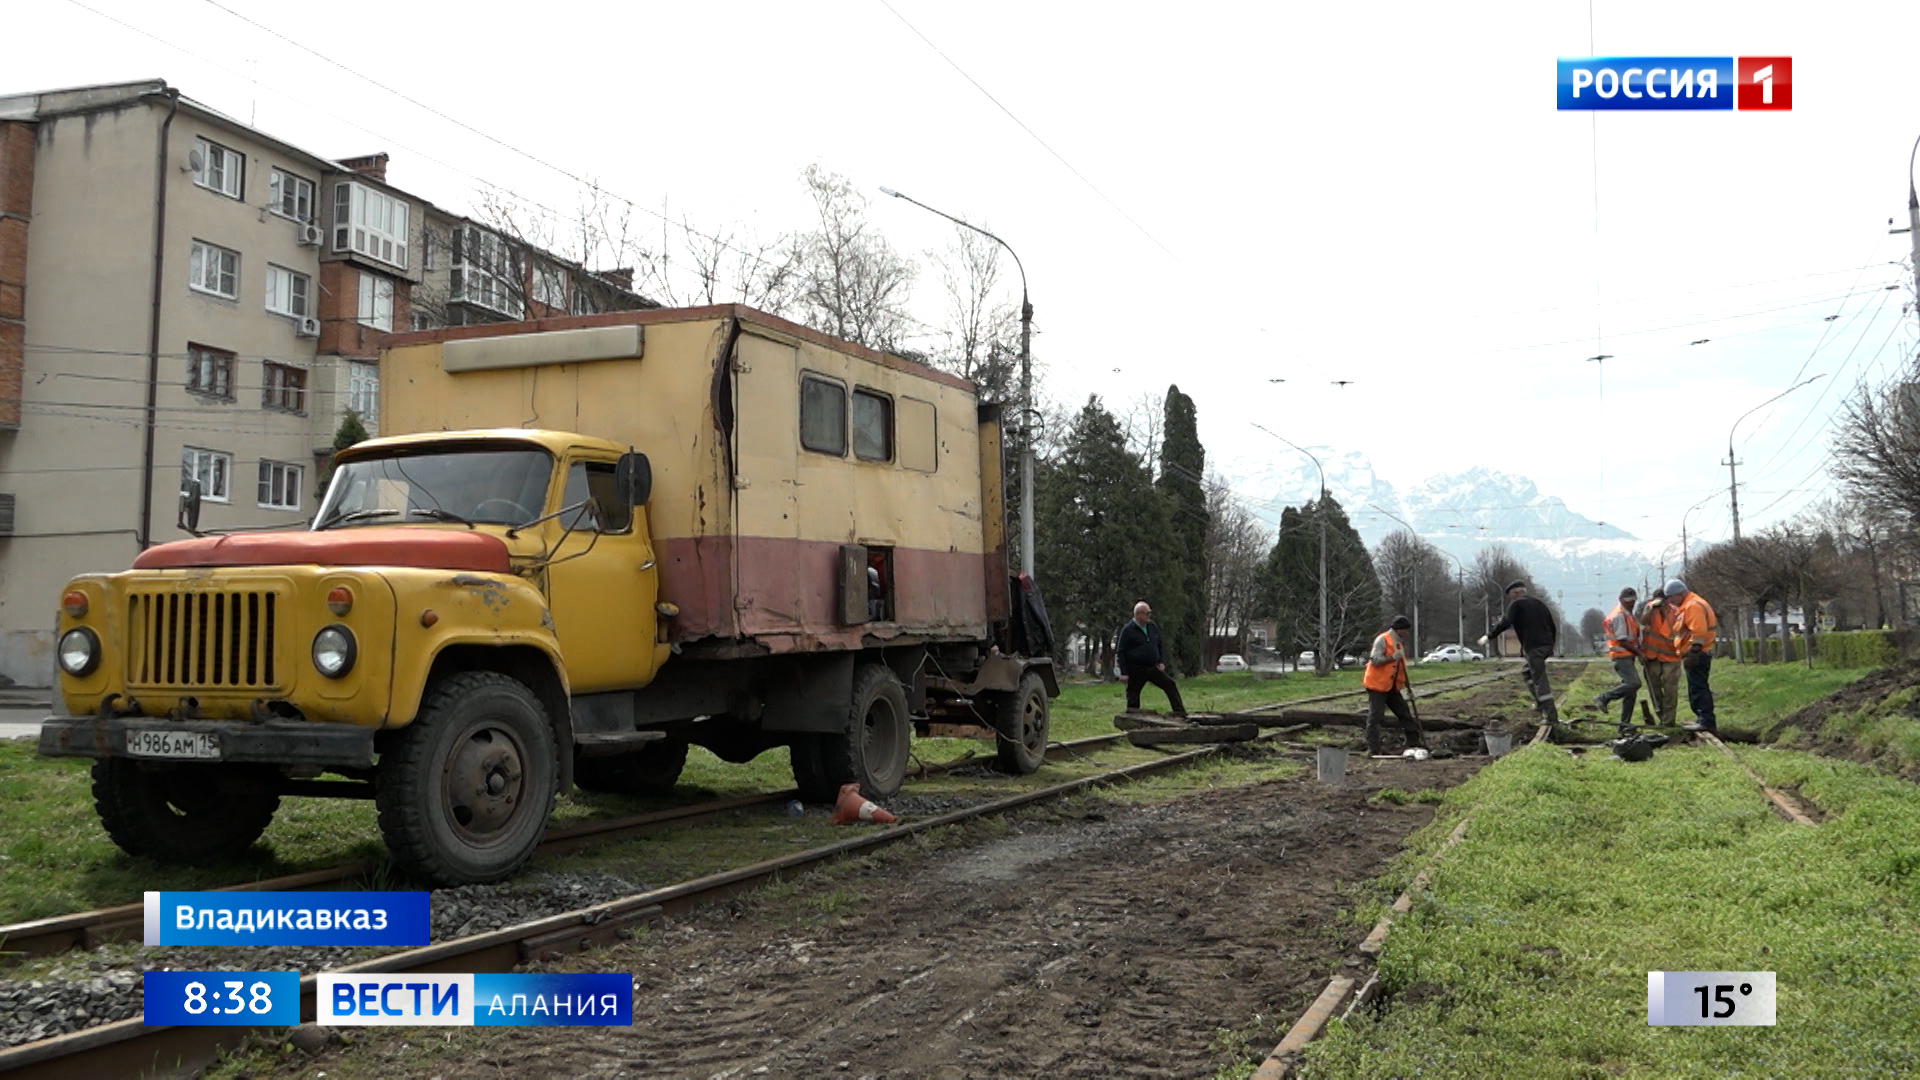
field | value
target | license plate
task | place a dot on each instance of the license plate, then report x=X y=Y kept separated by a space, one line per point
x=173 y=744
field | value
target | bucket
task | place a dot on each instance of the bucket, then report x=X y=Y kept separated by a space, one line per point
x=1332 y=761
x=1498 y=744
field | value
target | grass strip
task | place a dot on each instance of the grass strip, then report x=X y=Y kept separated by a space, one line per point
x=1528 y=954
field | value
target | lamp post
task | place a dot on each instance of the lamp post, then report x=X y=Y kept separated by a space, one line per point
x=1026 y=382
x=1320 y=659
x=1460 y=630
x=1733 y=495
x=1686 y=554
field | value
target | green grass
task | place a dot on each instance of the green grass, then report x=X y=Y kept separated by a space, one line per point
x=1528 y=955
x=1752 y=697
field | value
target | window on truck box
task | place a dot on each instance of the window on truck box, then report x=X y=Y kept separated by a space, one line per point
x=823 y=415
x=872 y=425
x=594 y=479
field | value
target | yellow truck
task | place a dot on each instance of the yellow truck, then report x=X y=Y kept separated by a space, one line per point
x=594 y=542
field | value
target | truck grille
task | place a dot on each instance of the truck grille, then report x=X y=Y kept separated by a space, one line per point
x=212 y=640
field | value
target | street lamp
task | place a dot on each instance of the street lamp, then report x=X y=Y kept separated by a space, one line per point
x=1026 y=382
x=1460 y=630
x=1686 y=553
x=1320 y=659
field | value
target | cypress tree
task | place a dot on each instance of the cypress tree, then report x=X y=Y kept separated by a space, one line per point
x=1183 y=462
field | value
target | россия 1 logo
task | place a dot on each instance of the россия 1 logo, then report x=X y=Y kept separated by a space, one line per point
x=1750 y=83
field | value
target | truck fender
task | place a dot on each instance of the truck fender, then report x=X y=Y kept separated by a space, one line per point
x=526 y=658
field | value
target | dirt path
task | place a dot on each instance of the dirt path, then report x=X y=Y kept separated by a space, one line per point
x=1103 y=940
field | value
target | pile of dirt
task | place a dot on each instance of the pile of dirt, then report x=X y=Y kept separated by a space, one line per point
x=1805 y=729
x=1096 y=939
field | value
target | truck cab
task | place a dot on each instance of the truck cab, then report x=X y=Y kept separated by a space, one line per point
x=420 y=642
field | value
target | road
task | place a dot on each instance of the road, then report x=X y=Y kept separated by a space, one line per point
x=21 y=713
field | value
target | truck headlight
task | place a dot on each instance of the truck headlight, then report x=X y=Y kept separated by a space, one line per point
x=79 y=652
x=334 y=651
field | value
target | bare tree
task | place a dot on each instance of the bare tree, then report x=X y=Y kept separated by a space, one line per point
x=1237 y=544
x=851 y=283
x=982 y=330
x=1877 y=447
x=1415 y=577
x=1143 y=423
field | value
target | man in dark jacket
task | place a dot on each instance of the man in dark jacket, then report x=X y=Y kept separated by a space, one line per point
x=1143 y=661
x=1532 y=622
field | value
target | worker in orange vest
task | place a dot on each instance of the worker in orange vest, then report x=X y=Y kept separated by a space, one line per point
x=1623 y=648
x=1660 y=656
x=1385 y=677
x=1694 y=630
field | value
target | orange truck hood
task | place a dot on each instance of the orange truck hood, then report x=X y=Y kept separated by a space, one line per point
x=426 y=549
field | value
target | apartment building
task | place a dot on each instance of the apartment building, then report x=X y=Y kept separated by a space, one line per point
x=158 y=258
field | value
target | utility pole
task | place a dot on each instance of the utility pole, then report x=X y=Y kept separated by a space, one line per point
x=1733 y=492
x=1026 y=382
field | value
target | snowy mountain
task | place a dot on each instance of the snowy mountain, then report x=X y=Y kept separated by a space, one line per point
x=1582 y=563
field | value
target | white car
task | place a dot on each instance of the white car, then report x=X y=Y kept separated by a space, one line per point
x=1449 y=654
x=1231 y=662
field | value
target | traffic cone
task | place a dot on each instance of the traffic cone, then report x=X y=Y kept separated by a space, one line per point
x=854 y=807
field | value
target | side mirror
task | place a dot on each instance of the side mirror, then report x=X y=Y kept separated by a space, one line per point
x=189 y=519
x=633 y=478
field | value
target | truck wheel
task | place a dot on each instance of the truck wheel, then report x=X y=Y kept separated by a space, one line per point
x=651 y=770
x=465 y=790
x=1026 y=716
x=871 y=752
x=178 y=813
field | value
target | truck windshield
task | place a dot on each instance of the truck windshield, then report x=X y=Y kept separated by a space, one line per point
x=495 y=487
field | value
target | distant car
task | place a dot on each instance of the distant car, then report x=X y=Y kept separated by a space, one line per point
x=1449 y=654
x=1350 y=660
x=1231 y=662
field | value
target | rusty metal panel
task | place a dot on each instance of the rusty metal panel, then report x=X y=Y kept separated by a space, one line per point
x=853 y=584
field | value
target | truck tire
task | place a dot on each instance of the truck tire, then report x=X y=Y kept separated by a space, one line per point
x=177 y=814
x=871 y=752
x=651 y=770
x=1025 y=715
x=464 y=792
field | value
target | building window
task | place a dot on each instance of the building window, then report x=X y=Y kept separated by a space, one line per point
x=279 y=486
x=872 y=426
x=283 y=387
x=287 y=291
x=823 y=416
x=210 y=371
x=289 y=195
x=584 y=302
x=486 y=272
x=429 y=246
x=221 y=169
x=550 y=287
x=211 y=467
x=363 y=389
x=215 y=270
x=376 y=302
x=916 y=434
x=370 y=222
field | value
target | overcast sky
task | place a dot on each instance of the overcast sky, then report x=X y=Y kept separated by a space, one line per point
x=1376 y=193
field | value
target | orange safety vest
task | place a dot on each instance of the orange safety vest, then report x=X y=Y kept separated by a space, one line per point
x=1615 y=647
x=1391 y=675
x=1696 y=623
x=1656 y=634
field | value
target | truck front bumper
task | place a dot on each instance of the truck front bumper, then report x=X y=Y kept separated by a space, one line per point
x=273 y=742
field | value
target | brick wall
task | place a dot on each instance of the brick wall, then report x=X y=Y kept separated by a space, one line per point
x=16 y=210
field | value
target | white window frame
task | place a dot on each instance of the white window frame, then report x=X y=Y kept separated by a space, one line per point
x=363 y=389
x=208 y=466
x=283 y=477
x=376 y=302
x=272 y=396
x=489 y=269
x=289 y=292
x=550 y=287
x=582 y=301
x=371 y=223
x=278 y=184
x=224 y=265
x=232 y=169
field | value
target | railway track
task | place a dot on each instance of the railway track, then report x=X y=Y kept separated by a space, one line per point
x=91 y=929
x=130 y=1048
